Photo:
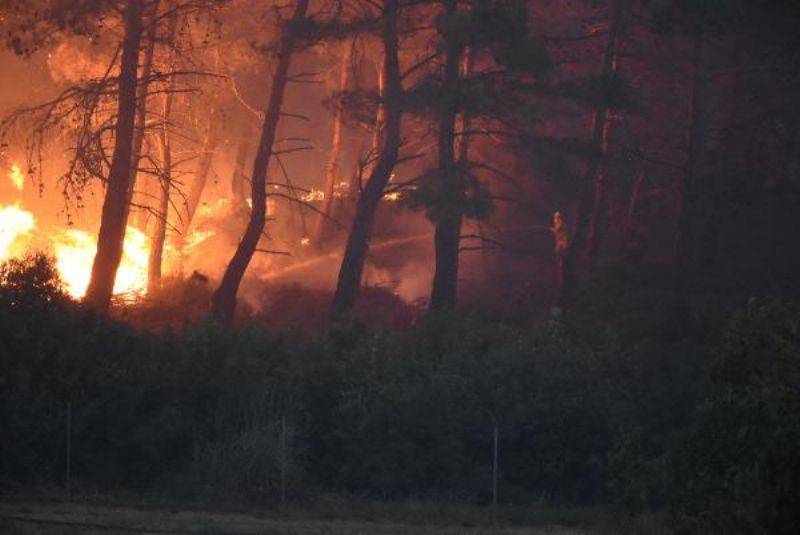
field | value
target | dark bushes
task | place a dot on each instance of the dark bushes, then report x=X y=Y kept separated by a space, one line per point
x=705 y=428
x=738 y=468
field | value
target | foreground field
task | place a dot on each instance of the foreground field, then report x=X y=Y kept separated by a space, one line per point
x=40 y=518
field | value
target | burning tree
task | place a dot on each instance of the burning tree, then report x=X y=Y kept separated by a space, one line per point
x=107 y=117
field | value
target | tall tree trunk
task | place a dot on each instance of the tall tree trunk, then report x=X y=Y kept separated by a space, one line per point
x=141 y=98
x=592 y=206
x=730 y=150
x=223 y=301
x=447 y=236
x=201 y=173
x=239 y=179
x=365 y=168
x=115 y=205
x=688 y=187
x=629 y=223
x=159 y=236
x=322 y=226
x=140 y=129
x=352 y=268
x=600 y=205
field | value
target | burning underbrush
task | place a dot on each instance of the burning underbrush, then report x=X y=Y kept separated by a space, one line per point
x=295 y=305
x=182 y=302
x=175 y=304
x=289 y=283
x=73 y=250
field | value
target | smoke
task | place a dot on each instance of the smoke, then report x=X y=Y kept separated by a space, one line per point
x=76 y=59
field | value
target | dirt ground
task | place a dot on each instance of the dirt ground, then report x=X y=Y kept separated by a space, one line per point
x=43 y=518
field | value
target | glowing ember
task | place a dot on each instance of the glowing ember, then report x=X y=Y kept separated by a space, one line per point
x=208 y=209
x=341 y=189
x=75 y=250
x=14 y=223
x=17 y=177
x=393 y=196
x=197 y=237
x=313 y=195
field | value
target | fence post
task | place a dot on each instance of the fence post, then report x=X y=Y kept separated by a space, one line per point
x=283 y=460
x=494 y=466
x=68 y=471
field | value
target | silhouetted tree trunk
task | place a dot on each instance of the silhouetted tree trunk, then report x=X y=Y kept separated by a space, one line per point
x=352 y=268
x=141 y=98
x=159 y=236
x=239 y=180
x=201 y=173
x=223 y=301
x=729 y=159
x=685 y=234
x=629 y=223
x=600 y=206
x=115 y=205
x=137 y=184
x=448 y=216
x=322 y=227
x=592 y=206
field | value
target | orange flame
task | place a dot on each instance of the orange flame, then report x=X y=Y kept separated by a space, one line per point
x=15 y=223
x=196 y=237
x=17 y=177
x=313 y=195
x=75 y=251
x=341 y=189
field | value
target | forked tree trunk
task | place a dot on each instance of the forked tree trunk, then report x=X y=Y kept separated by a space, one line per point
x=322 y=226
x=352 y=268
x=223 y=301
x=115 y=205
x=140 y=128
x=239 y=179
x=685 y=235
x=365 y=167
x=629 y=224
x=715 y=209
x=141 y=98
x=447 y=236
x=159 y=236
x=201 y=173
x=600 y=205
x=592 y=199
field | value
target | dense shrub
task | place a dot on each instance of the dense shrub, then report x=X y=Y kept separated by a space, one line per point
x=738 y=469
x=646 y=418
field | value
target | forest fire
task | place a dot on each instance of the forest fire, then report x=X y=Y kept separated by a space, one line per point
x=535 y=254
x=73 y=251
x=347 y=182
